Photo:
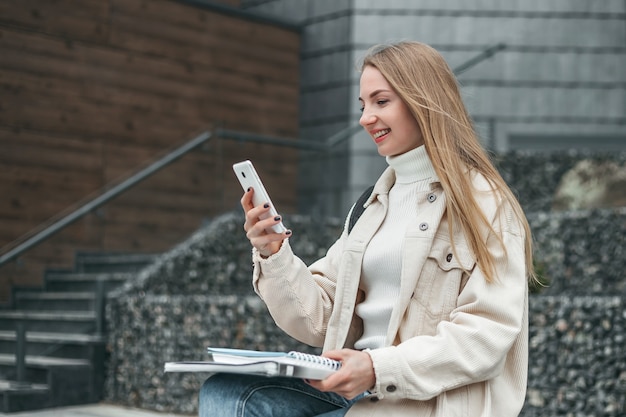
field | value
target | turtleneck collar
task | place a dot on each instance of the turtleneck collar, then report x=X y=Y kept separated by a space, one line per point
x=412 y=166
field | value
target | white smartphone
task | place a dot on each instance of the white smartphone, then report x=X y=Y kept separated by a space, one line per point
x=248 y=177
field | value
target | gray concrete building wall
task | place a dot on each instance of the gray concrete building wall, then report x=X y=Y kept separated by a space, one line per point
x=327 y=70
x=558 y=83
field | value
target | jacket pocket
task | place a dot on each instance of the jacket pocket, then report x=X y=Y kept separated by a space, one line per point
x=443 y=278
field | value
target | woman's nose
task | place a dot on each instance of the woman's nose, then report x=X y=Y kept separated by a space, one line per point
x=367 y=118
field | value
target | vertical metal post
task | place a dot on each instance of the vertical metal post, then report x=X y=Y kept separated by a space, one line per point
x=492 y=145
x=20 y=352
x=99 y=307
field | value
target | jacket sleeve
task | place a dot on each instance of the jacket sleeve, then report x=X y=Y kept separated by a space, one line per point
x=474 y=344
x=299 y=298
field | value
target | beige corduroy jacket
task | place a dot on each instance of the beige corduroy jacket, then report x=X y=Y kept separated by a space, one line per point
x=456 y=345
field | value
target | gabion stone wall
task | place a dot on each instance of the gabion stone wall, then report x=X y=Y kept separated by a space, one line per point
x=199 y=294
x=577 y=363
x=535 y=177
x=581 y=252
x=150 y=330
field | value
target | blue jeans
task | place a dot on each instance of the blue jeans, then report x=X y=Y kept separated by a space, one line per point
x=226 y=395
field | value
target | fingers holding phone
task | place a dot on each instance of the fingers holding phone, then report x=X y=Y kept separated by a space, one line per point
x=259 y=226
x=263 y=226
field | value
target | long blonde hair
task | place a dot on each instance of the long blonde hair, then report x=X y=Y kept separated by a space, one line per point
x=425 y=82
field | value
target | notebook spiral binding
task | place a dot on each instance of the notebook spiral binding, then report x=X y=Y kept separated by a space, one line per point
x=316 y=360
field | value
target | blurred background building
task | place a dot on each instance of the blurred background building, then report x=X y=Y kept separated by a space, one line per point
x=536 y=75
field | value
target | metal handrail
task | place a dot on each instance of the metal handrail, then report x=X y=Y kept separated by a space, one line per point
x=328 y=145
x=160 y=164
x=103 y=198
x=487 y=53
x=269 y=140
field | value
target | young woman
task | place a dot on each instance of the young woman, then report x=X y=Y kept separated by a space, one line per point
x=425 y=301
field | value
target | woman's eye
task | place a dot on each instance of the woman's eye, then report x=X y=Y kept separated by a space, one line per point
x=380 y=102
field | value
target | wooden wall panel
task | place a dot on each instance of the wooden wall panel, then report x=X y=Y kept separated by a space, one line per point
x=93 y=91
x=84 y=21
x=37 y=150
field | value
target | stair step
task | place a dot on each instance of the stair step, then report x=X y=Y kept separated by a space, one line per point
x=45 y=361
x=70 y=381
x=50 y=321
x=58 y=300
x=64 y=361
x=19 y=396
x=85 y=281
x=60 y=345
x=15 y=386
x=38 y=367
x=77 y=338
x=109 y=262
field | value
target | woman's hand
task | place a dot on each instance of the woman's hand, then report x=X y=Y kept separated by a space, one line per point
x=355 y=376
x=260 y=232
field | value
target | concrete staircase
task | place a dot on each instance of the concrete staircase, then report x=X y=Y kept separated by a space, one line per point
x=53 y=339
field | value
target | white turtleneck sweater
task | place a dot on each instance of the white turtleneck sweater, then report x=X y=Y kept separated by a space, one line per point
x=382 y=261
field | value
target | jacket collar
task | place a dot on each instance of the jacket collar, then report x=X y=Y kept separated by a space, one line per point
x=387 y=180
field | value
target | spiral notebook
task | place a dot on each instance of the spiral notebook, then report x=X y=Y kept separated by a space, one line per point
x=238 y=361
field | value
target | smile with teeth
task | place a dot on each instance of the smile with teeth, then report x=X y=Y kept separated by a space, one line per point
x=381 y=133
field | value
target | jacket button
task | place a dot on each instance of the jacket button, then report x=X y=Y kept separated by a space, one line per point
x=432 y=197
x=391 y=388
x=423 y=226
x=449 y=257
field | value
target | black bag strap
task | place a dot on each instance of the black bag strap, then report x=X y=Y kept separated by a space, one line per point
x=358 y=208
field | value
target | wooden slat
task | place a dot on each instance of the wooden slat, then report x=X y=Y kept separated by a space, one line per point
x=135 y=33
x=46 y=47
x=82 y=118
x=177 y=15
x=81 y=68
x=87 y=20
x=44 y=183
x=81 y=103
x=84 y=232
x=32 y=79
x=166 y=219
x=276 y=90
x=29 y=271
x=33 y=149
x=27 y=52
x=118 y=237
x=25 y=275
x=179 y=181
x=217 y=48
x=146 y=199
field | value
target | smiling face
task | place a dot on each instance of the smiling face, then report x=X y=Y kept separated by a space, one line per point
x=385 y=116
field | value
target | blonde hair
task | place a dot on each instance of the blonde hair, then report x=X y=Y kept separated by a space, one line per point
x=425 y=82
